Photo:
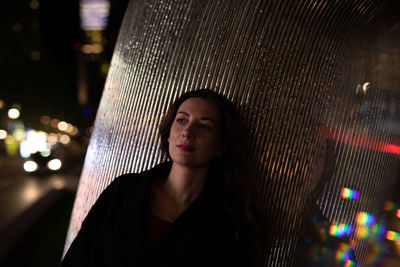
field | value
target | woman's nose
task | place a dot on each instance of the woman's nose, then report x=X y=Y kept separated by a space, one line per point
x=188 y=131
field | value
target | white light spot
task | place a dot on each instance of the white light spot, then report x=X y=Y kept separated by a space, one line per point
x=13 y=113
x=30 y=166
x=54 y=164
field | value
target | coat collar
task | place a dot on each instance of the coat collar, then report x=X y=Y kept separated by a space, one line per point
x=133 y=216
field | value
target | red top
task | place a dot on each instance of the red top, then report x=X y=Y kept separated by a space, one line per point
x=155 y=228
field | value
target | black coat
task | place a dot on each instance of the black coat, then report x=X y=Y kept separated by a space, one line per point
x=113 y=233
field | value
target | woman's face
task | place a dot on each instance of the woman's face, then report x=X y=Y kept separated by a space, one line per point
x=194 y=138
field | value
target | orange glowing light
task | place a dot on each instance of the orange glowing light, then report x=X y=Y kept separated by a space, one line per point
x=398 y=213
x=45 y=120
x=54 y=123
x=392 y=236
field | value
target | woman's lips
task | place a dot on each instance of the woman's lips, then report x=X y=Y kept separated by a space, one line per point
x=185 y=148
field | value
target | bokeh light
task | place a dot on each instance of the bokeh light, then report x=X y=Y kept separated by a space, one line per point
x=45 y=119
x=348 y=193
x=34 y=4
x=52 y=139
x=54 y=164
x=364 y=218
x=350 y=263
x=74 y=131
x=343 y=252
x=62 y=126
x=35 y=141
x=1 y=104
x=65 y=139
x=30 y=166
x=392 y=236
x=54 y=123
x=19 y=134
x=362 y=232
x=3 y=134
x=340 y=230
x=13 y=113
x=398 y=213
x=389 y=206
x=70 y=127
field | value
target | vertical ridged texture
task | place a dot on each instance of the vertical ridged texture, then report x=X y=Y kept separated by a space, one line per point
x=292 y=67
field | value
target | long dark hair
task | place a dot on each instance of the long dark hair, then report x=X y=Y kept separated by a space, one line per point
x=234 y=183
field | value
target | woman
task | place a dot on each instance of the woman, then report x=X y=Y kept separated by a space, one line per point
x=190 y=210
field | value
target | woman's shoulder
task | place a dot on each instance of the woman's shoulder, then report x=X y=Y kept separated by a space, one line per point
x=127 y=180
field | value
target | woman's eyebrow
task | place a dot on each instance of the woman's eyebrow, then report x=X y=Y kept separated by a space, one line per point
x=207 y=119
x=184 y=113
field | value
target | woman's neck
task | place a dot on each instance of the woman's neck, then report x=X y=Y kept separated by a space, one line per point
x=184 y=184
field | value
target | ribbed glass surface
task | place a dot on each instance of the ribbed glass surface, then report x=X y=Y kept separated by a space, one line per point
x=316 y=81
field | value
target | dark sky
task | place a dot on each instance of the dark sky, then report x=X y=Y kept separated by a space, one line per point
x=38 y=61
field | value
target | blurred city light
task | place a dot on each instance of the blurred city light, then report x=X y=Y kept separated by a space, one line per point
x=94 y=14
x=32 y=191
x=36 y=141
x=54 y=164
x=35 y=55
x=74 y=131
x=65 y=139
x=52 y=139
x=25 y=149
x=62 y=126
x=34 y=4
x=19 y=134
x=1 y=104
x=45 y=120
x=45 y=153
x=30 y=166
x=58 y=183
x=348 y=193
x=54 y=123
x=11 y=145
x=70 y=128
x=92 y=48
x=13 y=113
x=3 y=134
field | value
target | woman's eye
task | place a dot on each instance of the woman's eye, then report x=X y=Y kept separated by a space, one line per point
x=205 y=126
x=180 y=120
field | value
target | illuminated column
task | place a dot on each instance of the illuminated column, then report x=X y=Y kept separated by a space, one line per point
x=290 y=67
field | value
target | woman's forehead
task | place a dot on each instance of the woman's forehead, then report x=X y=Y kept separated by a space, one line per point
x=197 y=106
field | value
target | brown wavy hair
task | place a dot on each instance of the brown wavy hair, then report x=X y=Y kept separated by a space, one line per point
x=234 y=184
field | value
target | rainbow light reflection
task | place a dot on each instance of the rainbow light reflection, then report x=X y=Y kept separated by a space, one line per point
x=348 y=193
x=350 y=263
x=364 y=218
x=343 y=252
x=389 y=206
x=340 y=230
x=398 y=213
x=392 y=236
x=374 y=233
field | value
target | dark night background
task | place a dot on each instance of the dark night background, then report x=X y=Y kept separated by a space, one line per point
x=44 y=68
x=39 y=59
